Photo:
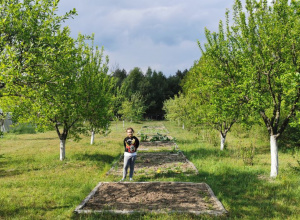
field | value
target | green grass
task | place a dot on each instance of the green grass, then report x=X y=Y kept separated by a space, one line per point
x=34 y=184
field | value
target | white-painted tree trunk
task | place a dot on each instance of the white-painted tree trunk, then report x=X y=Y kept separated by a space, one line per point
x=274 y=156
x=222 y=142
x=62 y=149
x=92 y=137
x=183 y=126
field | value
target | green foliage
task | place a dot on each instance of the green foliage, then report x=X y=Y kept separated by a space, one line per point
x=211 y=136
x=267 y=36
x=153 y=86
x=144 y=137
x=160 y=137
x=133 y=109
x=97 y=88
x=290 y=140
x=182 y=110
x=23 y=129
x=247 y=154
x=51 y=79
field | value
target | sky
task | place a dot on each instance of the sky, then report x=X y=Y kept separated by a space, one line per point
x=161 y=34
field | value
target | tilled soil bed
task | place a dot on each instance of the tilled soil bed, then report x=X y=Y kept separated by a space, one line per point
x=153 y=163
x=157 y=146
x=158 y=197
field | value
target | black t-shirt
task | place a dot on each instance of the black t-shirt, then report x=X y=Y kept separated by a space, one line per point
x=131 y=144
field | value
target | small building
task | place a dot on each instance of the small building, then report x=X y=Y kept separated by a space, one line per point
x=6 y=122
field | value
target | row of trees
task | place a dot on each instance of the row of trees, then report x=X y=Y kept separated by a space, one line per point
x=48 y=77
x=57 y=82
x=249 y=72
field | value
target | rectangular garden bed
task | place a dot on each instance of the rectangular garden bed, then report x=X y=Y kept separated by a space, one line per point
x=149 y=164
x=156 y=197
x=158 y=146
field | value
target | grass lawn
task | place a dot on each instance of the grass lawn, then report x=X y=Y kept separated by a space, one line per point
x=34 y=184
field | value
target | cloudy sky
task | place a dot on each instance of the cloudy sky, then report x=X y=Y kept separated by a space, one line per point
x=161 y=34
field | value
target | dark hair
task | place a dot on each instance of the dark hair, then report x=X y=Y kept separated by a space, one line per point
x=130 y=129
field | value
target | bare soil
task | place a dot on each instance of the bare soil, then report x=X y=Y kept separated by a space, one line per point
x=150 y=164
x=154 y=196
x=157 y=146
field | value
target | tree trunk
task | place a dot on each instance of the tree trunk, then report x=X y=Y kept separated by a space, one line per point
x=123 y=124
x=222 y=142
x=183 y=126
x=92 y=137
x=274 y=156
x=62 y=149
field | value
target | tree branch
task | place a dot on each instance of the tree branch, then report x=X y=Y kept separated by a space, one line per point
x=290 y=115
x=267 y=122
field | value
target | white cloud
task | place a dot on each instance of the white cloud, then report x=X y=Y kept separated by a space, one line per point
x=161 y=34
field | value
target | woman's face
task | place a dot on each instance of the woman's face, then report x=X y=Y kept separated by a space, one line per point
x=129 y=133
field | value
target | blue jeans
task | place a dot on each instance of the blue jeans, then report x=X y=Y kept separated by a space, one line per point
x=128 y=162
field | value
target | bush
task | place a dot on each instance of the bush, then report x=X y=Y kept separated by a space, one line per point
x=247 y=154
x=23 y=129
x=290 y=138
x=144 y=137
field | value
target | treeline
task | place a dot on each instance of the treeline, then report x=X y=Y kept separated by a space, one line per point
x=249 y=73
x=141 y=95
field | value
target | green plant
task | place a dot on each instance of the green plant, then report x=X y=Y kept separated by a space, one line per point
x=144 y=137
x=23 y=128
x=160 y=137
x=247 y=154
x=289 y=140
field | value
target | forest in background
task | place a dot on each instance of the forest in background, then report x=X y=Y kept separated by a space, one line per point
x=152 y=88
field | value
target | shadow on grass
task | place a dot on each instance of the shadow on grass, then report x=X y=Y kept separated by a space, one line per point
x=15 y=212
x=9 y=173
x=139 y=216
x=2 y=157
x=4 y=160
x=189 y=141
x=39 y=139
x=94 y=157
x=208 y=153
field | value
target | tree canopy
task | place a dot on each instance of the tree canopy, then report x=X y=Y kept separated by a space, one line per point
x=50 y=78
x=251 y=66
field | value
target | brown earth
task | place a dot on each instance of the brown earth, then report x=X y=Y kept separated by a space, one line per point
x=157 y=146
x=150 y=164
x=154 y=196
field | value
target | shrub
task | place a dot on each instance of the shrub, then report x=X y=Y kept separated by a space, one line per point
x=247 y=154
x=23 y=129
x=290 y=138
x=144 y=137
